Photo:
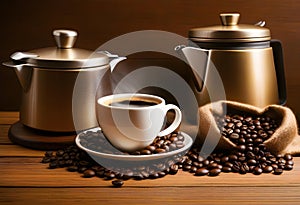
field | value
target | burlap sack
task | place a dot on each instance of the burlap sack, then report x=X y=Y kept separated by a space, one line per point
x=284 y=140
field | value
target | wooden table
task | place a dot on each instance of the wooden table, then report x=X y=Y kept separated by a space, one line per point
x=24 y=180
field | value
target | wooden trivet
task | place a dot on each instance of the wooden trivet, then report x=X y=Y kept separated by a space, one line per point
x=41 y=140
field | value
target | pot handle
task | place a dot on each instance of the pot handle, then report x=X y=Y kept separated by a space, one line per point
x=279 y=67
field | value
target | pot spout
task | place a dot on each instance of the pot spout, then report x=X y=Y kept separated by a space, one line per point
x=113 y=59
x=197 y=58
x=23 y=72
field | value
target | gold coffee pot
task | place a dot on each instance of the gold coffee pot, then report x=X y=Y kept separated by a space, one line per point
x=49 y=76
x=245 y=59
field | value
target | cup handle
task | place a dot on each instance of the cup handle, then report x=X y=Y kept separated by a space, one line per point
x=175 y=123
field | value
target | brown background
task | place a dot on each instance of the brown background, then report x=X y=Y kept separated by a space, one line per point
x=26 y=25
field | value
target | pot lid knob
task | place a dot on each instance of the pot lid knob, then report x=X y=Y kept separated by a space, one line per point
x=65 y=38
x=230 y=19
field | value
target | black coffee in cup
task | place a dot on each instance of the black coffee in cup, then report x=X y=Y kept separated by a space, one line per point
x=133 y=103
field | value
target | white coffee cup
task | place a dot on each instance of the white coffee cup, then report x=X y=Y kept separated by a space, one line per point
x=131 y=121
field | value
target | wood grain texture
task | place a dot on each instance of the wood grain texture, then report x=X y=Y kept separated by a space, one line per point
x=159 y=195
x=8 y=118
x=18 y=151
x=3 y=134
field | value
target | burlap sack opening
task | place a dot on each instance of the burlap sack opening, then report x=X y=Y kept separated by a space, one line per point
x=284 y=140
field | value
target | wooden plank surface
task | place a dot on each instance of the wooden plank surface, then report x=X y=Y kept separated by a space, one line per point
x=159 y=195
x=25 y=180
x=35 y=174
x=18 y=151
x=3 y=134
x=8 y=118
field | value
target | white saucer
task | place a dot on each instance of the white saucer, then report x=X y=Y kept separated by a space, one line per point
x=188 y=141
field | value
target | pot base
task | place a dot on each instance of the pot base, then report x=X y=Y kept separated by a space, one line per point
x=40 y=140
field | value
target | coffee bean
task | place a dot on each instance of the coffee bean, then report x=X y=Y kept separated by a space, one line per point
x=72 y=168
x=174 y=139
x=280 y=160
x=145 y=174
x=244 y=169
x=89 y=173
x=288 y=167
x=226 y=169
x=60 y=152
x=193 y=156
x=268 y=169
x=288 y=157
x=237 y=131
x=233 y=157
x=53 y=165
x=214 y=172
x=159 y=150
x=248 y=119
x=277 y=171
x=117 y=183
x=257 y=171
x=81 y=169
x=250 y=155
x=193 y=169
x=180 y=137
x=180 y=144
x=206 y=162
x=234 y=136
x=49 y=153
x=154 y=176
x=224 y=159
x=230 y=125
x=186 y=167
x=109 y=175
x=228 y=164
x=151 y=148
x=251 y=162
x=235 y=168
x=100 y=174
x=146 y=152
x=241 y=147
x=46 y=160
x=161 y=174
x=290 y=162
x=242 y=159
x=262 y=159
x=200 y=159
x=188 y=162
x=241 y=140
x=173 y=169
x=212 y=166
x=201 y=172
x=256 y=122
x=239 y=124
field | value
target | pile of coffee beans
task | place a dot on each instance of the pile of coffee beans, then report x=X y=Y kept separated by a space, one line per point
x=96 y=141
x=250 y=156
x=76 y=160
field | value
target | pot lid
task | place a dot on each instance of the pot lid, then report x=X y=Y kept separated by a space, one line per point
x=231 y=31
x=63 y=55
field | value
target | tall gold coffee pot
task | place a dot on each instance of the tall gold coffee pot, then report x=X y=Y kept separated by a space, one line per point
x=240 y=58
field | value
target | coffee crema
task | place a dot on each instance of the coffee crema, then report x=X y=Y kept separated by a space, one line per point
x=136 y=103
